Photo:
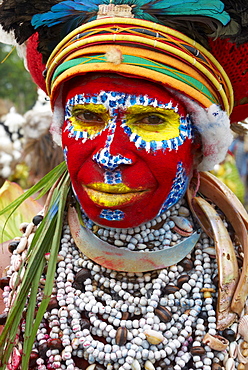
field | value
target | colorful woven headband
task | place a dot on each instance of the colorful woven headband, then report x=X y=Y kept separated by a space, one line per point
x=147 y=50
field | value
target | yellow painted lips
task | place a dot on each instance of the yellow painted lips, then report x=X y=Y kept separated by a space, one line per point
x=112 y=195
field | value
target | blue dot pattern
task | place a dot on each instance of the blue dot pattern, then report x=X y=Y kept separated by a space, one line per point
x=65 y=151
x=185 y=131
x=107 y=160
x=115 y=215
x=113 y=102
x=118 y=100
x=179 y=187
x=112 y=177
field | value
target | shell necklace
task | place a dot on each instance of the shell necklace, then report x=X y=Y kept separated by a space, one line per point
x=100 y=318
x=120 y=257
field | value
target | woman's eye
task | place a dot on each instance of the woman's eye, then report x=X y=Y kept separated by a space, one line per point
x=152 y=119
x=88 y=116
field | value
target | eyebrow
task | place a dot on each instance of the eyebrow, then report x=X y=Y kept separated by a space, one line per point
x=90 y=106
x=150 y=109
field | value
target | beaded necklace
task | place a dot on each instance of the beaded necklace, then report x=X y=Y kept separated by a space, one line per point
x=99 y=318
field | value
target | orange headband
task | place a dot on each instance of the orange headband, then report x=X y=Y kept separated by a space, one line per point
x=148 y=50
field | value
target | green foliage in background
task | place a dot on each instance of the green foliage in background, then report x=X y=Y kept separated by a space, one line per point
x=16 y=84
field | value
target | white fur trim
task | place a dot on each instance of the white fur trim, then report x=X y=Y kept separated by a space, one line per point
x=57 y=121
x=213 y=124
x=216 y=137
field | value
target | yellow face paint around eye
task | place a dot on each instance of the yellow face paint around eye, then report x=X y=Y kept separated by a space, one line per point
x=93 y=126
x=166 y=130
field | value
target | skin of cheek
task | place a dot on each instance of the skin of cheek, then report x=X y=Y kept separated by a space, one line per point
x=153 y=172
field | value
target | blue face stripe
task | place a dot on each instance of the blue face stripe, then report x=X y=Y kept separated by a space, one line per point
x=178 y=189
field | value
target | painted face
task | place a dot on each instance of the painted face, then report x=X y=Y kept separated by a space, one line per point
x=129 y=149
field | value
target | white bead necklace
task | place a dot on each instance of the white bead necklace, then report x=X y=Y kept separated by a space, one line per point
x=118 y=320
x=153 y=235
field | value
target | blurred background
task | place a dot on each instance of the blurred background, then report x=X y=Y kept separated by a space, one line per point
x=27 y=152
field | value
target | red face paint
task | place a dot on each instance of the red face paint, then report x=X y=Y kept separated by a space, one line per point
x=129 y=149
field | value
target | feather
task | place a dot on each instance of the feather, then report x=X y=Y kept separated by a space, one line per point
x=63 y=11
x=238 y=11
x=53 y=19
x=16 y=15
x=69 y=8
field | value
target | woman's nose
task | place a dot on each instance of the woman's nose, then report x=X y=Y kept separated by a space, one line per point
x=109 y=157
x=108 y=161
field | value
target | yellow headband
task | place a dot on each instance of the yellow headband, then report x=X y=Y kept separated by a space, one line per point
x=154 y=52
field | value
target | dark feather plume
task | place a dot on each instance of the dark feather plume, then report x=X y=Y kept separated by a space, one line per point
x=238 y=11
x=16 y=15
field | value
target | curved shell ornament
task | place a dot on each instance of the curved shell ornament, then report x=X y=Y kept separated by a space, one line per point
x=215 y=190
x=118 y=259
x=226 y=259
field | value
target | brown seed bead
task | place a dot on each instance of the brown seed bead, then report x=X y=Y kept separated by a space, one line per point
x=216 y=366
x=85 y=324
x=13 y=245
x=211 y=290
x=23 y=227
x=32 y=359
x=3 y=318
x=187 y=264
x=42 y=350
x=4 y=281
x=229 y=334
x=52 y=304
x=37 y=219
x=125 y=316
x=121 y=336
x=207 y=292
x=82 y=275
x=181 y=280
x=216 y=280
x=99 y=367
x=170 y=289
x=55 y=343
x=197 y=350
x=163 y=313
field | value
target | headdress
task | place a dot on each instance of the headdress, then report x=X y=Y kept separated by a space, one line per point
x=170 y=42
